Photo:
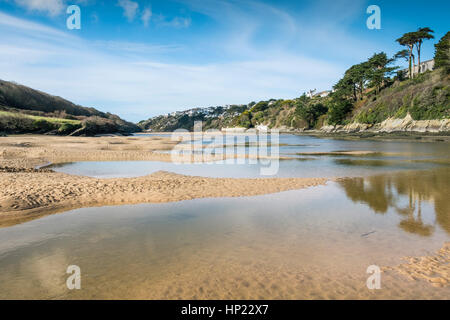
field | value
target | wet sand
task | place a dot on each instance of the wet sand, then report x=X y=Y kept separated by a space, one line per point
x=30 y=193
x=434 y=269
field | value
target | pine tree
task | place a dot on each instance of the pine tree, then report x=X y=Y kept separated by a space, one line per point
x=442 y=56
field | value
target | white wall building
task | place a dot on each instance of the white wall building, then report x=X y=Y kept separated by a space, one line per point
x=424 y=66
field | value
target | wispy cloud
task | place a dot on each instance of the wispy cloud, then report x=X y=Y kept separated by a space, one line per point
x=130 y=8
x=50 y=7
x=146 y=16
x=102 y=74
x=175 y=22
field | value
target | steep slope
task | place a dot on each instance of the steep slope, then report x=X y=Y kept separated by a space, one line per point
x=25 y=110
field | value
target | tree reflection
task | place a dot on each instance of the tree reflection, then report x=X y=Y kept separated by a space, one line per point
x=384 y=192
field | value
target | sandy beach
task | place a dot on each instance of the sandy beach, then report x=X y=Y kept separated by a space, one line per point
x=30 y=190
x=29 y=193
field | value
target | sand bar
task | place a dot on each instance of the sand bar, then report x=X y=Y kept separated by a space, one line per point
x=28 y=193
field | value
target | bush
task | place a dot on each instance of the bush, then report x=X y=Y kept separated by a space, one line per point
x=310 y=112
x=338 y=111
x=68 y=128
x=16 y=124
x=43 y=125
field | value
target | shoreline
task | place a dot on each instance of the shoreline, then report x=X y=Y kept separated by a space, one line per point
x=361 y=135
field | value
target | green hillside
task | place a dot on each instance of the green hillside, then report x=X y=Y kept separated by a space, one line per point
x=368 y=93
x=25 y=110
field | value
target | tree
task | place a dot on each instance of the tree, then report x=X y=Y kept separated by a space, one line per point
x=442 y=56
x=379 y=70
x=409 y=40
x=360 y=74
x=346 y=88
x=353 y=83
x=338 y=111
x=421 y=35
x=310 y=112
x=402 y=54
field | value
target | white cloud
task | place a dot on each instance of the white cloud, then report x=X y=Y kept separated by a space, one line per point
x=175 y=22
x=130 y=8
x=102 y=75
x=146 y=16
x=50 y=7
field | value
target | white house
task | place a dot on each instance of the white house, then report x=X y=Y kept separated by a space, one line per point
x=424 y=66
x=323 y=94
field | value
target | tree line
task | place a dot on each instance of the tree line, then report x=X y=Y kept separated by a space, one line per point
x=376 y=73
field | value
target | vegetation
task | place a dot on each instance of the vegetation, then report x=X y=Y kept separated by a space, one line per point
x=22 y=123
x=25 y=110
x=413 y=40
x=369 y=92
x=442 y=56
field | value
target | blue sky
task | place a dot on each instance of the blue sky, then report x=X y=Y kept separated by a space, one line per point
x=143 y=58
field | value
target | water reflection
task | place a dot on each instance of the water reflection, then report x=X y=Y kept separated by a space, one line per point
x=406 y=193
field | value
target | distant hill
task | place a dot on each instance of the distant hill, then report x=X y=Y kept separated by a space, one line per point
x=369 y=94
x=427 y=97
x=212 y=117
x=25 y=110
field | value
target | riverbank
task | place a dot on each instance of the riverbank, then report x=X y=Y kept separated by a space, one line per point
x=30 y=193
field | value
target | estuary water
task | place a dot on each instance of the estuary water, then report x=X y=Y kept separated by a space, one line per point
x=300 y=156
x=314 y=243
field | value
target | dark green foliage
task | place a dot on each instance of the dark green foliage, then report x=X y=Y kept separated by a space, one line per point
x=260 y=106
x=379 y=70
x=442 y=56
x=375 y=115
x=310 y=112
x=409 y=40
x=421 y=35
x=245 y=120
x=338 y=111
x=44 y=126
x=68 y=128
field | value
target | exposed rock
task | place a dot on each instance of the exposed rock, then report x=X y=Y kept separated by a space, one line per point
x=407 y=124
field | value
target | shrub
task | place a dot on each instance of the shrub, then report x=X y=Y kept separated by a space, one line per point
x=338 y=111
x=67 y=128
x=42 y=125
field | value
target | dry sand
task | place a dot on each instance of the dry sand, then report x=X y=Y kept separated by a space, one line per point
x=28 y=193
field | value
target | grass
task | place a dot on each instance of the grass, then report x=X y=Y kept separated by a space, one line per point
x=48 y=119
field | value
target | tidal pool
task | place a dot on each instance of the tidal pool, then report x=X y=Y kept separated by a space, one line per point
x=314 y=243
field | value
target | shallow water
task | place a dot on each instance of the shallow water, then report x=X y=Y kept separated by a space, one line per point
x=388 y=156
x=314 y=243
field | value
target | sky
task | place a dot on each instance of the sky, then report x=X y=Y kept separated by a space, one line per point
x=140 y=59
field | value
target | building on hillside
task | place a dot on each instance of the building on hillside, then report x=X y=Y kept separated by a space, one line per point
x=311 y=93
x=323 y=94
x=424 y=66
